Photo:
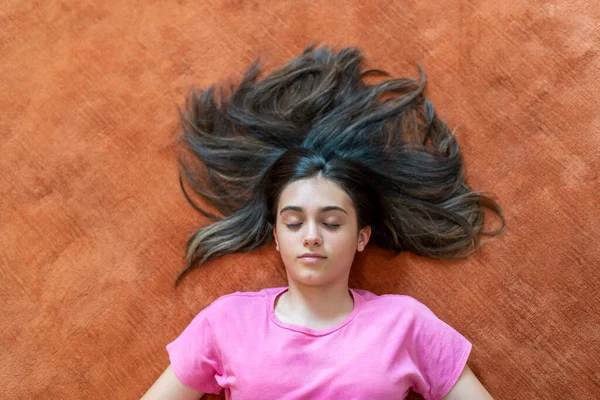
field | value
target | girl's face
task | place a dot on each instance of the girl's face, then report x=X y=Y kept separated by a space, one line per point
x=316 y=216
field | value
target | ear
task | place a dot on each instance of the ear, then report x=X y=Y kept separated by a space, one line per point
x=363 y=238
x=275 y=236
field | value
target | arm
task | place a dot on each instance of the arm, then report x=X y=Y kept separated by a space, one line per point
x=468 y=387
x=168 y=386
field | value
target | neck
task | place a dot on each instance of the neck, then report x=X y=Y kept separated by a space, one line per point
x=318 y=303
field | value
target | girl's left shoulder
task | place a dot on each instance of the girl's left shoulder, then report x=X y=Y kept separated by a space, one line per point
x=399 y=302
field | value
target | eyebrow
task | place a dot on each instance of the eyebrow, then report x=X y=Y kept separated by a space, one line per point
x=322 y=210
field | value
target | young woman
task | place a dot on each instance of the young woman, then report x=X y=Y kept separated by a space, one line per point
x=323 y=163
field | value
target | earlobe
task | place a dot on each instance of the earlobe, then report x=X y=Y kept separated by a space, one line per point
x=275 y=237
x=363 y=238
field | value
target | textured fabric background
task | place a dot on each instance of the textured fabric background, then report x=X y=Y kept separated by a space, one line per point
x=93 y=223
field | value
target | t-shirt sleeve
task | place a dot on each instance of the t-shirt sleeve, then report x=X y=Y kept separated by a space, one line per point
x=441 y=354
x=193 y=356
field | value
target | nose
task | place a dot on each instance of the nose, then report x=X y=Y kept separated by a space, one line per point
x=312 y=237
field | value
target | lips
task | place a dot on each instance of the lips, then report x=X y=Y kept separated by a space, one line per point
x=311 y=258
x=312 y=255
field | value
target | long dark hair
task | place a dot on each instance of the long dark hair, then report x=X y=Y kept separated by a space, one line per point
x=398 y=162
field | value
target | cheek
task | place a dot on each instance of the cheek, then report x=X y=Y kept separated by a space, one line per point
x=288 y=242
x=341 y=243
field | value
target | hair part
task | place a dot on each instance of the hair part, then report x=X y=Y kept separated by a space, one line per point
x=398 y=162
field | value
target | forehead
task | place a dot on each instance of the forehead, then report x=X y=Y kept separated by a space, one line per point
x=313 y=194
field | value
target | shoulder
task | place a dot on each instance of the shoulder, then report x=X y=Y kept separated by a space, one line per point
x=395 y=302
x=400 y=311
x=243 y=297
x=232 y=303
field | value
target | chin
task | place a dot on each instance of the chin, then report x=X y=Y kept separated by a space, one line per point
x=312 y=282
x=306 y=276
x=311 y=277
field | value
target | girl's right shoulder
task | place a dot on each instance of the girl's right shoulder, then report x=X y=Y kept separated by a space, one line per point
x=241 y=299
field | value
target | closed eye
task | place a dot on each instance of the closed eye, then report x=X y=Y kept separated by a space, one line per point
x=330 y=226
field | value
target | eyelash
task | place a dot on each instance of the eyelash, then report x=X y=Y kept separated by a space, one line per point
x=294 y=226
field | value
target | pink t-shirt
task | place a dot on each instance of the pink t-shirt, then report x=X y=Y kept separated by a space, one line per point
x=387 y=345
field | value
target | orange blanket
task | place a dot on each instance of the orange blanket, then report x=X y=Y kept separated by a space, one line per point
x=93 y=223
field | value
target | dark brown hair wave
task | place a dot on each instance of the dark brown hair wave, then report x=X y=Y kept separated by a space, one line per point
x=399 y=163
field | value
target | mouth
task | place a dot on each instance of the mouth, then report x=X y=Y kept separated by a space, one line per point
x=311 y=258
